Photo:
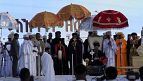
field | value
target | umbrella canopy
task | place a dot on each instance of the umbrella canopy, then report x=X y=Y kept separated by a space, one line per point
x=45 y=19
x=73 y=11
x=110 y=19
x=7 y=21
x=86 y=24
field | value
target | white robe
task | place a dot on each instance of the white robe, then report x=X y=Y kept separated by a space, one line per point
x=25 y=57
x=33 y=58
x=7 y=67
x=47 y=67
x=6 y=60
x=110 y=51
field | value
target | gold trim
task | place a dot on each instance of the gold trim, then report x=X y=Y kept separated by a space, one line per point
x=110 y=13
x=110 y=23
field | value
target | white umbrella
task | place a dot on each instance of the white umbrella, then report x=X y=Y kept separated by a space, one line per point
x=7 y=22
x=86 y=24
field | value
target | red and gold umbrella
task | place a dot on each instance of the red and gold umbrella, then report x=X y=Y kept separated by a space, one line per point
x=110 y=19
x=46 y=19
x=73 y=11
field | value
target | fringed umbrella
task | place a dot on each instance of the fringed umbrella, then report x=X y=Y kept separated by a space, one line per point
x=86 y=24
x=46 y=20
x=110 y=19
x=7 y=22
x=73 y=11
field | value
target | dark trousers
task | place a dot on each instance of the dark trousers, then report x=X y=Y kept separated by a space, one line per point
x=14 y=66
x=61 y=67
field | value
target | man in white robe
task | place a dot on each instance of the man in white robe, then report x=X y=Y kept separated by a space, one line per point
x=25 y=57
x=34 y=54
x=47 y=66
x=109 y=48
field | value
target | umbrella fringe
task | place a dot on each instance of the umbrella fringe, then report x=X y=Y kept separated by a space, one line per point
x=98 y=28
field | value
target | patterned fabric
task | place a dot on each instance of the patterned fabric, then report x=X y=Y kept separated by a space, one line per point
x=121 y=55
x=47 y=19
x=73 y=10
x=62 y=48
x=110 y=19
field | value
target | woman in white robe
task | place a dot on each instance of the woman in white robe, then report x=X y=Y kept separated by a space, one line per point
x=47 y=66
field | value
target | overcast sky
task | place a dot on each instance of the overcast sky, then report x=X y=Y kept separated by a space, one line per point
x=132 y=9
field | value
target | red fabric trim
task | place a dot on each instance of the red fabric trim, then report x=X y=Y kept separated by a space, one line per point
x=57 y=46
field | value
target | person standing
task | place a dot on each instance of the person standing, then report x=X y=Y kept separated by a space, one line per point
x=49 y=40
x=41 y=47
x=14 y=52
x=133 y=44
x=95 y=38
x=86 y=54
x=55 y=41
x=129 y=37
x=25 y=57
x=109 y=48
x=59 y=54
x=45 y=42
x=32 y=40
x=60 y=58
x=75 y=51
x=47 y=66
x=7 y=66
x=121 y=55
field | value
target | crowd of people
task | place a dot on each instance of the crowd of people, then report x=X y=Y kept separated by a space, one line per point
x=110 y=74
x=37 y=53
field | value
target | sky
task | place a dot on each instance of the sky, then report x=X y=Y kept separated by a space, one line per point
x=132 y=9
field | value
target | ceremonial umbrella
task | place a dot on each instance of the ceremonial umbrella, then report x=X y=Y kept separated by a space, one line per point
x=7 y=22
x=86 y=24
x=45 y=20
x=110 y=19
x=73 y=11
